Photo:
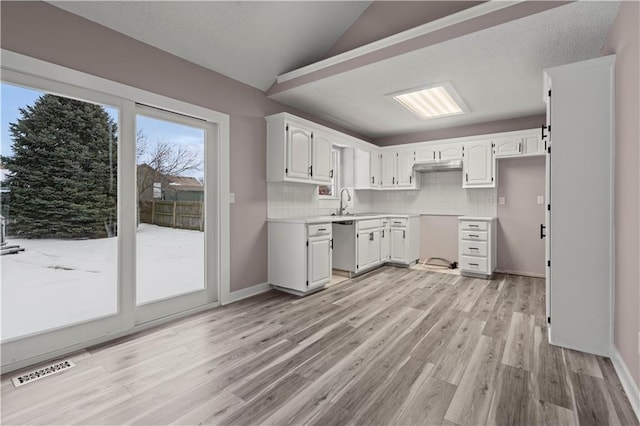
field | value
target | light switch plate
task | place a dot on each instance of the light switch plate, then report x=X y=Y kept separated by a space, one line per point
x=540 y=199
x=232 y=197
x=501 y=201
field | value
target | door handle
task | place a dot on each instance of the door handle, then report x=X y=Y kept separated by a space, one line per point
x=542 y=228
x=371 y=236
x=404 y=234
x=331 y=244
x=542 y=127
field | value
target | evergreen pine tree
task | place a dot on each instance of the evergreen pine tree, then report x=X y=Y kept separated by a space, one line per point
x=63 y=170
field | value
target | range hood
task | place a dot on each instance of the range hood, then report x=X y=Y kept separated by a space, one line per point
x=440 y=166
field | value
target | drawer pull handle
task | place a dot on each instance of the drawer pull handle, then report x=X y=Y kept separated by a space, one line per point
x=473 y=235
x=322 y=229
x=473 y=226
x=473 y=248
x=474 y=264
x=397 y=222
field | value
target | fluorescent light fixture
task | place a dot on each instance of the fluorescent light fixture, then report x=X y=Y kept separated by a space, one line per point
x=434 y=101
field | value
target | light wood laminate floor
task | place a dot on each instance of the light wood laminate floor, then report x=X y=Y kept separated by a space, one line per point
x=395 y=346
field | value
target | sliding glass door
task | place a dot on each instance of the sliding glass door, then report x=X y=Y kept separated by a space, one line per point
x=172 y=218
x=111 y=212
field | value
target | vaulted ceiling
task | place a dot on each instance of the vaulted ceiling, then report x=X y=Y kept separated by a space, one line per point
x=340 y=60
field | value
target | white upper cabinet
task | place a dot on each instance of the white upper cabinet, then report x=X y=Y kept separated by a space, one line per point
x=450 y=152
x=533 y=145
x=361 y=169
x=508 y=147
x=321 y=158
x=299 y=143
x=404 y=168
x=388 y=164
x=427 y=154
x=477 y=165
x=375 y=170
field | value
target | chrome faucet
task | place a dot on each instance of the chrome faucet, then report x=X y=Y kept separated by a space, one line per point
x=343 y=207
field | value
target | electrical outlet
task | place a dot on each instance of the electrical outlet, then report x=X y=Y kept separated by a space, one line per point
x=232 y=197
x=501 y=201
x=540 y=199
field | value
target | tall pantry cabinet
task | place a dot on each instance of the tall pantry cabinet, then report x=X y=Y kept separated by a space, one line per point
x=579 y=225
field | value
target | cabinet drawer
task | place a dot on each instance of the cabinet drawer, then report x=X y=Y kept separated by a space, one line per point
x=398 y=222
x=318 y=229
x=368 y=224
x=474 y=226
x=474 y=235
x=474 y=248
x=474 y=264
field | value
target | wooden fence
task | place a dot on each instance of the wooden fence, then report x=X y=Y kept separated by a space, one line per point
x=174 y=214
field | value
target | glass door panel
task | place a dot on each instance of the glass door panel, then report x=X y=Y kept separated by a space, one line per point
x=58 y=187
x=170 y=237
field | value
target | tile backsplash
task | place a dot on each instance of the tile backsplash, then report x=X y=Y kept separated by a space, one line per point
x=440 y=193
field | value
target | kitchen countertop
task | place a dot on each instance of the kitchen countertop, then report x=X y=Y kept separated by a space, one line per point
x=481 y=218
x=324 y=219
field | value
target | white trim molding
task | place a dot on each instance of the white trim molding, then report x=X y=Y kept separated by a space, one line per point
x=629 y=385
x=247 y=292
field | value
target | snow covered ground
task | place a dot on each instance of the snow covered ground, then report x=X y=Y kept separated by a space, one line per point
x=58 y=282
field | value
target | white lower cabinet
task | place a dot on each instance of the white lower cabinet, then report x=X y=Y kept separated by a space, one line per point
x=477 y=246
x=300 y=256
x=360 y=245
x=385 y=241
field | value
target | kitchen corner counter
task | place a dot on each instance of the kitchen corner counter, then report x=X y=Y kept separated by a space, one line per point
x=325 y=219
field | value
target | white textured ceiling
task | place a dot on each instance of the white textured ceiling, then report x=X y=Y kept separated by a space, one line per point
x=497 y=71
x=250 y=41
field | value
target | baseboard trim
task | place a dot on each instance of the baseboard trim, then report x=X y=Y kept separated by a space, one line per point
x=234 y=296
x=629 y=385
x=524 y=274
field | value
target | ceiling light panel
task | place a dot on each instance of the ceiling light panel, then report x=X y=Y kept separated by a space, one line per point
x=435 y=101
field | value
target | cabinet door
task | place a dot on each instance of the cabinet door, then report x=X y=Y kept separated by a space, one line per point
x=477 y=167
x=375 y=170
x=388 y=167
x=373 y=251
x=508 y=147
x=385 y=243
x=533 y=146
x=398 y=244
x=427 y=155
x=362 y=168
x=450 y=152
x=319 y=261
x=363 y=250
x=321 y=158
x=404 y=173
x=298 y=152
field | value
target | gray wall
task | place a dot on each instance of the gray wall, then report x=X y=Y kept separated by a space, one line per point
x=624 y=41
x=520 y=182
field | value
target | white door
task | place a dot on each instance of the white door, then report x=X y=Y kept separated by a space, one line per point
x=363 y=250
x=508 y=147
x=362 y=168
x=477 y=167
x=298 y=152
x=375 y=170
x=388 y=169
x=450 y=152
x=385 y=243
x=533 y=145
x=321 y=158
x=398 y=246
x=404 y=173
x=319 y=261
x=427 y=155
x=374 y=247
